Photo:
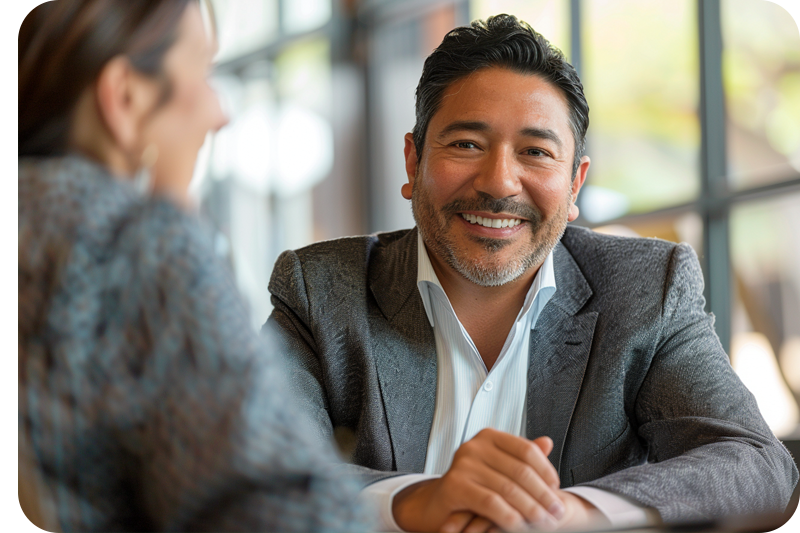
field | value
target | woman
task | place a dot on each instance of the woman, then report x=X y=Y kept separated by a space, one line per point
x=146 y=400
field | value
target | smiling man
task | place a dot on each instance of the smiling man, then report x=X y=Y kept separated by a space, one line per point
x=495 y=369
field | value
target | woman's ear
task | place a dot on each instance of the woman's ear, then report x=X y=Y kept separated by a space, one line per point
x=124 y=98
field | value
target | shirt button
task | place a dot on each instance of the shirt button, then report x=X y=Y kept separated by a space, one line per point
x=488 y=386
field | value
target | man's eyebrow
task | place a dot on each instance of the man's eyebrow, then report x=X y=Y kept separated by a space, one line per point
x=464 y=125
x=475 y=125
x=542 y=133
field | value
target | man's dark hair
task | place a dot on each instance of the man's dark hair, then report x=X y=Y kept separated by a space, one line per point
x=500 y=41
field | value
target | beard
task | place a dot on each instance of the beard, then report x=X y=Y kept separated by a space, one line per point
x=487 y=269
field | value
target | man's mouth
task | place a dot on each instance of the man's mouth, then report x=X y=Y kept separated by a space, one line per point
x=491 y=222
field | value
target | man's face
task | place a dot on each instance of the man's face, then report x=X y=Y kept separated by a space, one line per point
x=492 y=191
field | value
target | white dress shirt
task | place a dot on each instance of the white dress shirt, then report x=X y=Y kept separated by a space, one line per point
x=469 y=398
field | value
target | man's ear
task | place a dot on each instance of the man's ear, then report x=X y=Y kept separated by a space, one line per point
x=577 y=183
x=410 y=151
x=124 y=97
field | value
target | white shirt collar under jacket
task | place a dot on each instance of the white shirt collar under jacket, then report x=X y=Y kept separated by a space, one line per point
x=468 y=398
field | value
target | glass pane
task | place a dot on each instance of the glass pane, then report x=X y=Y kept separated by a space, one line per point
x=397 y=50
x=761 y=69
x=245 y=26
x=305 y=15
x=236 y=197
x=641 y=81
x=304 y=75
x=548 y=17
x=765 y=348
x=686 y=227
x=304 y=136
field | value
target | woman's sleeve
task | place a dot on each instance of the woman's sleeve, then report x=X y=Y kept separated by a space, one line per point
x=225 y=445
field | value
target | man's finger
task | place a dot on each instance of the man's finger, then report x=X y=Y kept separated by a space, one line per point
x=532 y=508
x=529 y=452
x=545 y=443
x=478 y=525
x=488 y=503
x=523 y=475
x=456 y=522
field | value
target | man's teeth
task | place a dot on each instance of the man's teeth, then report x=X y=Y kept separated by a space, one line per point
x=492 y=222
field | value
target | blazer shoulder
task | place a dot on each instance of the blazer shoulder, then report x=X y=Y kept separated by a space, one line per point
x=325 y=253
x=608 y=260
x=331 y=271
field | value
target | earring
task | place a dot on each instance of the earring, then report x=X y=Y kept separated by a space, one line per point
x=143 y=181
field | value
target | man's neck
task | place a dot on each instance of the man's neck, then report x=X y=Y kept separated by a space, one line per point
x=487 y=313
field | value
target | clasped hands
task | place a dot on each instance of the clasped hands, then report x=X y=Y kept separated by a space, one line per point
x=497 y=482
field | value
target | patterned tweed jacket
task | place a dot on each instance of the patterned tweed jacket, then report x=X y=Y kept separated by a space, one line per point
x=149 y=402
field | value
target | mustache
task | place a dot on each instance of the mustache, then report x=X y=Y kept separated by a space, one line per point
x=484 y=202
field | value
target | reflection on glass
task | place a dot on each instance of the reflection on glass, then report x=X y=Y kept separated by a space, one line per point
x=761 y=69
x=397 y=50
x=304 y=75
x=245 y=26
x=548 y=17
x=304 y=137
x=641 y=81
x=686 y=227
x=276 y=147
x=765 y=253
x=305 y=15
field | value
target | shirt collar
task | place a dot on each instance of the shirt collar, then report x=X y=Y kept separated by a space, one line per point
x=426 y=278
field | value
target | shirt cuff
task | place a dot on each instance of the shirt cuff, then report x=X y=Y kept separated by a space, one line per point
x=619 y=510
x=380 y=495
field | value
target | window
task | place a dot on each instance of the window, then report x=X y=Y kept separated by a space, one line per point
x=694 y=136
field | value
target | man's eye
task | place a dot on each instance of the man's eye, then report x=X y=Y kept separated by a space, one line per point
x=465 y=145
x=535 y=152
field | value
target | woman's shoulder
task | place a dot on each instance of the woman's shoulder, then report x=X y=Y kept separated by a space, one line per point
x=93 y=222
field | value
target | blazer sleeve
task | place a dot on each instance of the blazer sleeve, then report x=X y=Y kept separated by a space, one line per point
x=710 y=452
x=291 y=325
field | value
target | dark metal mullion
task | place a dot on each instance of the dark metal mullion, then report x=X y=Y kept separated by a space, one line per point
x=463 y=17
x=575 y=37
x=715 y=201
x=771 y=190
x=271 y=50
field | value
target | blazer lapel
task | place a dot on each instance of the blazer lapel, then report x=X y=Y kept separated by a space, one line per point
x=559 y=351
x=404 y=351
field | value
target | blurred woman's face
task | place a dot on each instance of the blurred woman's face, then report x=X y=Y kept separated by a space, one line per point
x=178 y=127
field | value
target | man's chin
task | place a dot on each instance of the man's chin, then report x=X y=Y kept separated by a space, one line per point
x=492 y=245
x=490 y=269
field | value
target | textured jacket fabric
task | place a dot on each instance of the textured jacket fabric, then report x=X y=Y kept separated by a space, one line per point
x=626 y=375
x=149 y=402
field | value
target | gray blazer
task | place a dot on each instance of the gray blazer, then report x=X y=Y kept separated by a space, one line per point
x=627 y=375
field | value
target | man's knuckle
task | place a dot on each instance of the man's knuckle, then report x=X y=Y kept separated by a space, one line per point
x=492 y=500
x=469 y=448
x=454 y=478
x=508 y=489
x=511 y=520
x=535 y=513
x=530 y=451
x=524 y=473
x=485 y=433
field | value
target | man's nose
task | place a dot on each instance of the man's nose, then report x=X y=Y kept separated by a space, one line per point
x=498 y=176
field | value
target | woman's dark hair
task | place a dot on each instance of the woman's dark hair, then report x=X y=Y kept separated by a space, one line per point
x=63 y=47
x=500 y=41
